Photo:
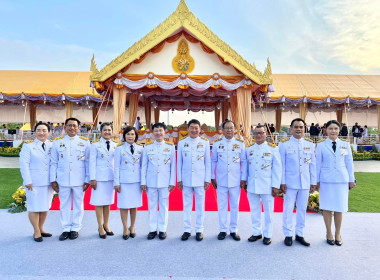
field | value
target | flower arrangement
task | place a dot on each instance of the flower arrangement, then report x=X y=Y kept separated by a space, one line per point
x=19 y=201
x=313 y=203
x=6 y=151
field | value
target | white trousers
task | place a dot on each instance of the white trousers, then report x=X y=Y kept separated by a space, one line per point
x=71 y=221
x=158 y=220
x=255 y=205
x=300 y=197
x=199 y=193
x=234 y=193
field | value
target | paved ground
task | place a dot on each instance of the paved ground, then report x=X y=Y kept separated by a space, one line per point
x=360 y=166
x=90 y=257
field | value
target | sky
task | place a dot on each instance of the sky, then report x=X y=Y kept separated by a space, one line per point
x=310 y=36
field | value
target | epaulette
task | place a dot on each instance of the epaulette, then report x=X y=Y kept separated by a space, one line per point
x=184 y=137
x=218 y=140
x=321 y=140
x=139 y=144
x=84 y=138
x=121 y=144
x=240 y=140
x=253 y=143
x=204 y=138
x=272 y=145
x=60 y=137
x=344 y=139
x=30 y=141
x=117 y=142
x=168 y=142
x=149 y=143
x=285 y=139
x=96 y=141
x=51 y=140
x=308 y=139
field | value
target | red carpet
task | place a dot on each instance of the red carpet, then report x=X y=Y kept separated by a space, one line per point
x=176 y=204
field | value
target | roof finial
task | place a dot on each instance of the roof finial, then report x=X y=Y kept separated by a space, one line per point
x=93 y=67
x=182 y=10
x=268 y=69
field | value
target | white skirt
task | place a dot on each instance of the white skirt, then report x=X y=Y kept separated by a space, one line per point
x=103 y=195
x=130 y=196
x=39 y=200
x=333 y=197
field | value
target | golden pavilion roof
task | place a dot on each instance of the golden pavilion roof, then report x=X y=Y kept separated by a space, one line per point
x=182 y=18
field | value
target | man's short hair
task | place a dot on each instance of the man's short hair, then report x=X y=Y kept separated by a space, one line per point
x=72 y=119
x=195 y=122
x=297 y=120
x=226 y=122
x=261 y=126
x=159 y=124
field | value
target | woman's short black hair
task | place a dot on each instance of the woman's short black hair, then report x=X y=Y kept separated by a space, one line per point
x=128 y=129
x=157 y=125
x=333 y=122
x=105 y=124
x=41 y=123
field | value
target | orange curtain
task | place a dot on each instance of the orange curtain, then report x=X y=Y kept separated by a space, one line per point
x=278 y=119
x=32 y=115
x=133 y=107
x=217 y=118
x=94 y=116
x=225 y=106
x=156 y=115
x=244 y=99
x=148 y=112
x=119 y=100
x=303 y=110
x=69 y=109
x=378 y=119
x=339 y=115
x=234 y=112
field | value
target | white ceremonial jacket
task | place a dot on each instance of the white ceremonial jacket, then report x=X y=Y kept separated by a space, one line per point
x=335 y=167
x=69 y=161
x=193 y=162
x=229 y=161
x=158 y=168
x=298 y=163
x=127 y=166
x=102 y=160
x=35 y=163
x=264 y=168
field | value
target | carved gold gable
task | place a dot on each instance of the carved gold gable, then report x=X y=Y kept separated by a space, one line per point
x=183 y=62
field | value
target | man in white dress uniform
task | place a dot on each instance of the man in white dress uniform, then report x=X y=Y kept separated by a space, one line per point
x=193 y=175
x=158 y=172
x=69 y=175
x=298 y=179
x=264 y=178
x=228 y=162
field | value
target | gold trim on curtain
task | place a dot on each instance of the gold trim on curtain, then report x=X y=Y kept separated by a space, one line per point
x=217 y=118
x=119 y=100
x=148 y=113
x=156 y=115
x=244 y=98
x=133 y=107
x=69 y=109
x=278 y=119
x=339 y=115
x=303 y=110
x=234 y=112
x=32 y=115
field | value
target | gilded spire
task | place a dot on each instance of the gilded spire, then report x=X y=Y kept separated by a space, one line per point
x=182 y=11
x=93 y=67
x=268 y=70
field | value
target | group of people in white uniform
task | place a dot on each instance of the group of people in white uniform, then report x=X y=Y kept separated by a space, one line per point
x=297 y=167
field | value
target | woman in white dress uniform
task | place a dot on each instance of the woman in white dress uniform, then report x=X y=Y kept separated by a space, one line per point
x=101 y=174
x=34 y=168
x=127 y=176
x=335 y=177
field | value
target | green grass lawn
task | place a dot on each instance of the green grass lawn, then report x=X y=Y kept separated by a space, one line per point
x=364 y=198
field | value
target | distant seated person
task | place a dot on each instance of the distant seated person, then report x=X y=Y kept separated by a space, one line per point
x=204 y=127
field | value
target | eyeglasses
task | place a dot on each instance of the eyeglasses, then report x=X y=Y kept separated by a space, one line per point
x=72 y=125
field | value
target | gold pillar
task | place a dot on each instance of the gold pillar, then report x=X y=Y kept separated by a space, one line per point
x=217 y=118
x=244 y=99
x=95 y=116
x=148 y=113
x=69 y=109
x=119 y=99
x=278 y=119
x=133 y=107
x=303 y=110
x=32 y=115
x=339 y=115
x=156 y=115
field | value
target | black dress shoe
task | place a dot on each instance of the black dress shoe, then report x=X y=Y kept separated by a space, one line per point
x=288 y=240
x=302 y=240
x=267 y=241
x=254 y=238
x=162 y=235
x=222 y=235
x=235 y=236
x=132 y=235
x=152 y=235
x=185 y=236
x=64 y=235
x=38 y=239
x=199 y=236
x=330 y=241
x=46 y=234
x=73 y=235
x=108 y=232
x=125 y=237
x=339 y=243
x=102 y=236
